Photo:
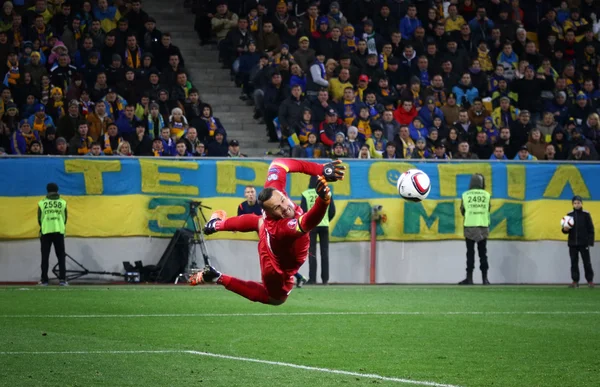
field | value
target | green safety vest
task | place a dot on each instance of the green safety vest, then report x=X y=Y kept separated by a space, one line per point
x=477 y=208
x=310 y=195
x=53 y=215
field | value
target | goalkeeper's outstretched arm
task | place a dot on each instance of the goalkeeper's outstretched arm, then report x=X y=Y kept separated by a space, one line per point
x=242 y=223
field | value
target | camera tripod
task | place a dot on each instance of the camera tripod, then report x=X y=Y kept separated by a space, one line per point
x=195 y=215
x=82 y=271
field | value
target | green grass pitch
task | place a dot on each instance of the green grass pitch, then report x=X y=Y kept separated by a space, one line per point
x=432 y=335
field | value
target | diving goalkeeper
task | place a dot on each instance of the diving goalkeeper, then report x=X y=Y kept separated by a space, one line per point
x=283 y=231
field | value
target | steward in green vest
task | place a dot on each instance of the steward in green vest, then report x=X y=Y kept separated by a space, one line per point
x=321 y=231
x=475 y=207
x=52 y=218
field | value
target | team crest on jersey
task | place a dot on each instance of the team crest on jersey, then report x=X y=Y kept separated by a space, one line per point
x=273 y=170
x=272 y=176
x=293 y=224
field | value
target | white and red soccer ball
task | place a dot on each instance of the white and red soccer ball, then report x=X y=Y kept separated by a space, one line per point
x=567 y=221
x=414 y=185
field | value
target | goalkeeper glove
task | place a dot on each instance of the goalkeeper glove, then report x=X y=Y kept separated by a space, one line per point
x=323 y=189
x=212 y=226
x=334 y=170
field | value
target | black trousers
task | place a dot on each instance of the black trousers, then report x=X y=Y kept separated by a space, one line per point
x=483 y=259
x=58 y=240
x=323 y=234
x=574 y=252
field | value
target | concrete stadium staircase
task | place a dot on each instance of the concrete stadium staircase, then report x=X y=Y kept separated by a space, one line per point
x=213 y=82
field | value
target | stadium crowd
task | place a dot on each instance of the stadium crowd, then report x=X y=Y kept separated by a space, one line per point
x=460 y=79
x=84 y=77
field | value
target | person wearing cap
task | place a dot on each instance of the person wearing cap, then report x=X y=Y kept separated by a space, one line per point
x=505 y=114
x=35 y=148
x=21 y=139
x=316 y=76
x=524 y=155
x=581 y=237
x=581 y=109
x=331 y=126
x=429 y=112
x=52 y=219
x=475 y=207
x=373 y=39
x=291 y=35
x=39 y=121
x=234 y=149
x=223 y=21
x=335 y=16
x=439 y=152
x=304 y=55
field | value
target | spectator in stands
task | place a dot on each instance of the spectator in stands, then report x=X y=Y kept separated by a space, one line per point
x=169 y=144
x=157 y=148
x=110 y=140
x=218 y=147
x=222 y=22
x=98 y=121
x=39 y=121
x=274 y=94
x=177 y=123
x=405 y=113
x=316 y=76
x=141 y=144
x=234 y=149
x=305 y=55
x=330 y=127
x=95 y=150
x=81 y=142
x=482 y=147
x=127 y=122
x=523 y=154
x=464 y=152
x=21 y=139
x=62 y=147
x=291 y=110
x=200 y=150
x=69 y=123
x=124 y=149
x=191 y=139
x=181 y=149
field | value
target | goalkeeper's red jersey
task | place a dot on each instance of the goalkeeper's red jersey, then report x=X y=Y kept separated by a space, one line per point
x=283 y=240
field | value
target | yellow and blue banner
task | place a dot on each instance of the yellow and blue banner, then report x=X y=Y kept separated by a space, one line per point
x=119 y=197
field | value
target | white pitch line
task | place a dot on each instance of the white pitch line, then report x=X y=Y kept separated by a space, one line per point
x=9 y=353
x=324 y=370
x=244 y=359
x=296 y=314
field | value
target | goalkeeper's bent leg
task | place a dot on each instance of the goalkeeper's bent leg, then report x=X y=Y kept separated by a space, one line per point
x=253 y=291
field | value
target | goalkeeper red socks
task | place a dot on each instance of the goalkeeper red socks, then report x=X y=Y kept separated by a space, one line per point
x=253 y=291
